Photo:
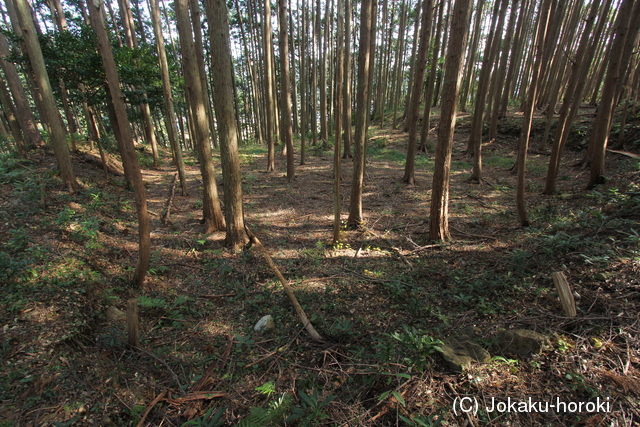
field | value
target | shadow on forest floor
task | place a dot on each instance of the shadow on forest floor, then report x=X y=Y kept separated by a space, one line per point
x=381 y=299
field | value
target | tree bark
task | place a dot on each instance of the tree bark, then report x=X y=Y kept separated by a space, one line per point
x=346 y=87
x=129 y=153
x=338 y=134
x=285 y=83
x=24 y=115
x=52 y=114
x=269 y=93
x=627 y=30
x=491 y=50
x=471 y=59
x=574 y=90
x=227 y=125
x=9 y=110
x=502 y=73
x=439 y=213
x=416 y=92
x=212 y=213
x=529 y=108
x=170 y=114
x=355 y=219
x=426 y=115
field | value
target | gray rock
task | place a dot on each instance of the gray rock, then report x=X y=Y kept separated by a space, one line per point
x=265 y=324
x=460 y=352
x=521 y=342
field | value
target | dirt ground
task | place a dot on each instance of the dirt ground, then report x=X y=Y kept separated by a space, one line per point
x=381 y=299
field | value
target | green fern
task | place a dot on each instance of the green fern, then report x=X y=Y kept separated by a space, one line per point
x=273 y=415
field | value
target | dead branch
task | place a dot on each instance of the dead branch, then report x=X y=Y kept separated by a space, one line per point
x=150 y=407
x=294 y=301
x=167 y=206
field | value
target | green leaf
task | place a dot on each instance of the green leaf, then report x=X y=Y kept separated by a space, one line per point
x=399 y=398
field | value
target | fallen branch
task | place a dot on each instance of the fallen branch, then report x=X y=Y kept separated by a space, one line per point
x=150 y=407
x=625 y=153
x=153 y=356
x=217 y=296
x=214 y=366
x=167 y=206
x=294 y=301
x=198 y=395
x=480 y=236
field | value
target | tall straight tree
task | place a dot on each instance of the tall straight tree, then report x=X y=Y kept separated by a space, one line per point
x=269 y=88
x=24 y=115
x=212 y=213
x=285 y=87
x=439 y=214
x=132 y=42
x=474 y=147
x=170 y=114
x=9 y=110
x=346 y=88
x=227 y=125
x=426 y=115
x=304 y=66
x=529 y=108
x=626 y=40
x=52 y=114
x=339 y=116
x=471 y=58
x=416 y=91
x=574 y=90
x=129 y=156
x=363 y=91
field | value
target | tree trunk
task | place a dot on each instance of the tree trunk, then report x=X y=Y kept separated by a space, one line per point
x=304 y=75
x=416 y=92
x=416 y=26
x=285 y=83
x=471 y=59
x=227 y=125
x=9 y=110
x=324 y=39
x=439 y=213
x=502 y=72
x=516 y=55
x=398 y=73
x=355 y=219
x=269 y=94
x=627 y=30
x=170 y=114
x=24 y=115
x=129 y=153
x=346 y=87
x=426 y=116
x=212 y=213
x=491 y=50
x=530 y=105
x=255 y=92
x=339 y=116
x=575 y=90
x=52 y=114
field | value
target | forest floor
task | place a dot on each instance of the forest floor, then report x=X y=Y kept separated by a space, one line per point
x=381 y=300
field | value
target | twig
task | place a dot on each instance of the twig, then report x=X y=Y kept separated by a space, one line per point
x=148 y=353
x=480 y=236
x=217 y=296
x=294 y=301
x=265 y=357
x=214 y=366
x=167 y=206
x=150 y=407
